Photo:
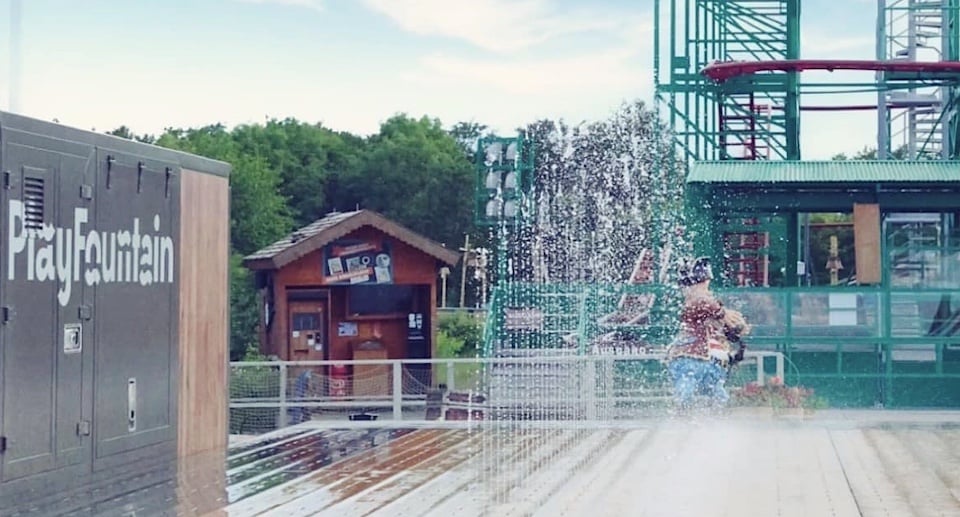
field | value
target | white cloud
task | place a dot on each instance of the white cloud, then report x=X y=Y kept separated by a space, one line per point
x=508 y=93
x=612 y=70
x=494 y=25
x=311 y=4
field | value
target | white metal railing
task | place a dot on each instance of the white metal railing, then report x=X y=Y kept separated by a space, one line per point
x=270 y=394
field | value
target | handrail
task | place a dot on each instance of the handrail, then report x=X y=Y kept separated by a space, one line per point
x=580 y=388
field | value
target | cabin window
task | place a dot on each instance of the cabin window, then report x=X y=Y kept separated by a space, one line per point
x=379 y=300
x=827 y=249
x=922 y=249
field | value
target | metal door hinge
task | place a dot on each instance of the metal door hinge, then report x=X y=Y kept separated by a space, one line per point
x=3 y=444
x=7 y=178
x=110 y=160
x=86 y=192
x=85 y=312
x=6 y=313
x=83 y=428
x=166 y=186
x=139 y=177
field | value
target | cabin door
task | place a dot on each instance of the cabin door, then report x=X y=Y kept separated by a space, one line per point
x=308 y=330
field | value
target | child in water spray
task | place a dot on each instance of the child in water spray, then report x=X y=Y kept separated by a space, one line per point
x=699 y=357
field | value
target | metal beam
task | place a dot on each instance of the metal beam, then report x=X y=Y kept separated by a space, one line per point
x=787 y=202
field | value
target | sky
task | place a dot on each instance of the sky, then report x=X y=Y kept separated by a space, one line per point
x=351 y=64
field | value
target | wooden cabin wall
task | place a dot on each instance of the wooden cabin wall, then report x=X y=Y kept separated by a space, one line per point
x=411 y=266
x=392 y=332
x=204 y=342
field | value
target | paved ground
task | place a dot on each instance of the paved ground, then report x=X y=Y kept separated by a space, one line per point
x=839 y=463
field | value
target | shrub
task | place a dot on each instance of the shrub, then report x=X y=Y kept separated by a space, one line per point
x=774 y=393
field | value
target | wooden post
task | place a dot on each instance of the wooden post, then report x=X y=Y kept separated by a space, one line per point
x=866 y=237
x=833 y=262
x=463 y=271
x=204 y=337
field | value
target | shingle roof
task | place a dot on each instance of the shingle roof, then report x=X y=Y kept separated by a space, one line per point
x=834 y=171
x=333 y=226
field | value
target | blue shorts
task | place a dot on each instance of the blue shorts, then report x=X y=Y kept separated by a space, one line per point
x=692 y=377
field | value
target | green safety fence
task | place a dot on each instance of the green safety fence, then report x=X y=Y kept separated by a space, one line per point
x=855 y=346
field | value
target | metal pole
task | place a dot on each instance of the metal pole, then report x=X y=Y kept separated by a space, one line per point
x=282 y=417
x=912 y=139
x=14 y=56
x=463 y=269
x=444 y=273
x=397 y=391
x=883 y=135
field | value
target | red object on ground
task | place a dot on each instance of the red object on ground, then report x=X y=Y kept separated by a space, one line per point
x=339 y=376
x=721 y=71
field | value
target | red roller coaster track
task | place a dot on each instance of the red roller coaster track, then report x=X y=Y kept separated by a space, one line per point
x=721 y=71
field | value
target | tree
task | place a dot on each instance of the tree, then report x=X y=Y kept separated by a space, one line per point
x=309 y=159
x=244 y=309
x=415 y=173
x=870 y=153
x=464 y=333
x=258 y=216
x=125 y=132
x=599 y=188
x=823 y=226
x=467 y=134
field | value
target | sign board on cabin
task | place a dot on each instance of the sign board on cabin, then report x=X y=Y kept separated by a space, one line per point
x=355 y=261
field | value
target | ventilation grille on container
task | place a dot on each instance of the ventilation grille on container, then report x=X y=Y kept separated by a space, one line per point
x=33 y=202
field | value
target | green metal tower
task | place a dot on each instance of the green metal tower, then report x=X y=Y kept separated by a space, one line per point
x=754 y=117
x=504 y=176
x=918 y=119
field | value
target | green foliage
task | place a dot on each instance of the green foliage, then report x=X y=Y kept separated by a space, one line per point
x=415 y=172
x=252 y=383
x=820 y=246
x=309 y=160
x=252 y=354
x=288 y=173
x=125 y=132
x=467 y=134
x=460 y=334
x=259 y=214
x=870 y=153
x=775 y=394
x=609 y=179
x=448 y=346
x=244 y=313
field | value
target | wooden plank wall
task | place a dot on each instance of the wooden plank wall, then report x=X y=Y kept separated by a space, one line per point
x=866 y=243
x=204 y=343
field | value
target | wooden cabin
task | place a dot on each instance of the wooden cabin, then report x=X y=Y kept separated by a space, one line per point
x=352 y=285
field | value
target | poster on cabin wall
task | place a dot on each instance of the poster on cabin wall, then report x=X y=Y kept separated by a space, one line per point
x=356 y=261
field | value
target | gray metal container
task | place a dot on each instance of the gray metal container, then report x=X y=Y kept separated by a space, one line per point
x=88 y=319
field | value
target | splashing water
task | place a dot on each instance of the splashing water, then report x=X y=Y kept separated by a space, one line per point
x=583 y=296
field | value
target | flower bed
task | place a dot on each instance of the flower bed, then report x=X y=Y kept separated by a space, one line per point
x=775 y=394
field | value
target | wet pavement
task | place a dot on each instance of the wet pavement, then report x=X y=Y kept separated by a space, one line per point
x=835 y=463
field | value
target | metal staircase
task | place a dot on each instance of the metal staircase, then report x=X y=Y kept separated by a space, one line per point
x=914 y=31
x=751 y=117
